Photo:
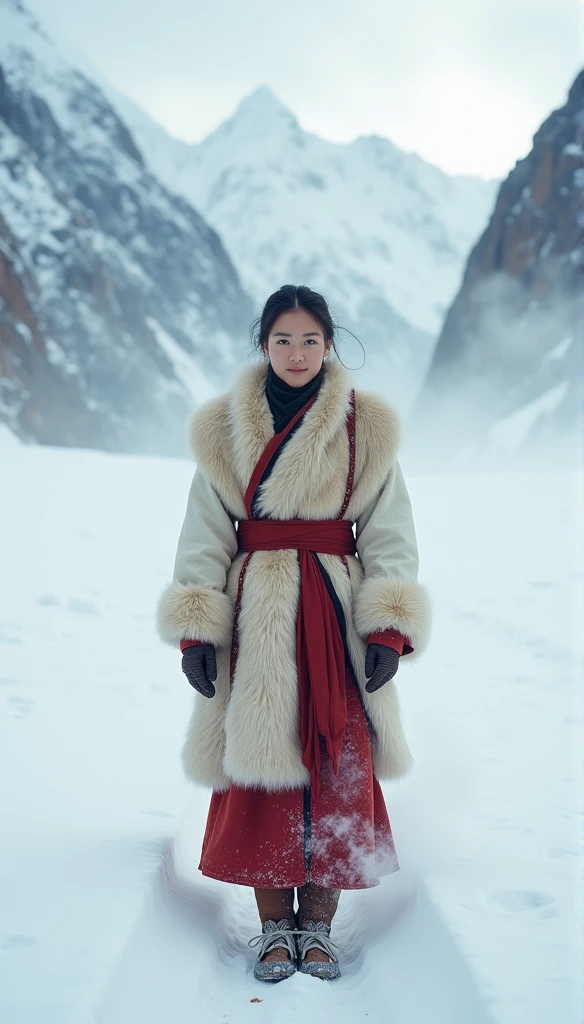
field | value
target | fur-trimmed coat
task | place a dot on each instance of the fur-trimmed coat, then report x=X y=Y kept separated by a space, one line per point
x=249 y=734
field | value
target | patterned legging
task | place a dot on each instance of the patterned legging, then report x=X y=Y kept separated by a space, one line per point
x=314 y=904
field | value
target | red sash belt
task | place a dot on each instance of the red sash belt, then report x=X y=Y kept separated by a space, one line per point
x=319 y=645
x=327 y=536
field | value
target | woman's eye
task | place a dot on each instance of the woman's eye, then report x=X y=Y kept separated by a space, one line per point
x=284 y=341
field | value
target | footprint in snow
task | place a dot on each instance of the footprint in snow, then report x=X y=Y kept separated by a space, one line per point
x=16 y=941
x=9 y=638
x=520 y=900
x=20 y=706
x=48 y=601
x=75 y=604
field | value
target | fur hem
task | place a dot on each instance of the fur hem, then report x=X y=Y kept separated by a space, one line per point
x=213 y=778
x=191 y=612
x=391 y=762
x=287 y=775
x=394 y=604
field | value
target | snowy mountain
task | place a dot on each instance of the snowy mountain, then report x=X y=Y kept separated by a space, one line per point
x=509 y=363
x=383 y=234
x=119 y=307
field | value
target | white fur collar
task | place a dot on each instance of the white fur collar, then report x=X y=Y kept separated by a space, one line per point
x=229 y=433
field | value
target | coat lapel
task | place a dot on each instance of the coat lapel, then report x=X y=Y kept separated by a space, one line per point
x=252 y=427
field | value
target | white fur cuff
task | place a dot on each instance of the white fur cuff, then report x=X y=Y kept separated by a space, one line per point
x=394 y=604
x=190 y=612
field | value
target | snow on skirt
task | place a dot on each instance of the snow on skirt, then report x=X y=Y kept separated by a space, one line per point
x=286 y=838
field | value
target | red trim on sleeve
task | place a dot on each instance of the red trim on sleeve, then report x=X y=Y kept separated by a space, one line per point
x=391 y=638
x=191 y=643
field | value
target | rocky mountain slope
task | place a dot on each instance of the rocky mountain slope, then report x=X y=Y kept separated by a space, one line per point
x=119 y=306
x=35 y=388
x=506 y=375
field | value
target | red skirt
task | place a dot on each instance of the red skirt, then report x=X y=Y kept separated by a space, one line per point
x=286 y=838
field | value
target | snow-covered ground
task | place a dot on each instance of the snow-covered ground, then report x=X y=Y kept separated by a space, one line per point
x=104 y=917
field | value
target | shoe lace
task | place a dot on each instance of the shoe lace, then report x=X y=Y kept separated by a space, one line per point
x=314 y=936
x=274 y=935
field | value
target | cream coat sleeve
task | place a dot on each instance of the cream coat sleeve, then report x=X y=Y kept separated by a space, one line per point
x=195 y=606
x=390 y=596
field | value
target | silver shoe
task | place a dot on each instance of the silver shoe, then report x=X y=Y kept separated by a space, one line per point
x=275 y=935
x=315 y=935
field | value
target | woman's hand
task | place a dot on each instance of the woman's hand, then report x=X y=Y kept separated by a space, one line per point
x=199 y=665
x=381 y=663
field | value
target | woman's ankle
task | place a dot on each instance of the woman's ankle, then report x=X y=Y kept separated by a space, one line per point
x=275 y=905
x=316 y=903
x=289 y=920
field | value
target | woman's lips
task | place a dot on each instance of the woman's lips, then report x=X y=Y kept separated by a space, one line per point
x=302 y=370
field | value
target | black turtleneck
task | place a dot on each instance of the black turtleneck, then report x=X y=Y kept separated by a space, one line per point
x=285 y=400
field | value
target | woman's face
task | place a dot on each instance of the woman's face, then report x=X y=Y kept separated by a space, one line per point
x=296 y=343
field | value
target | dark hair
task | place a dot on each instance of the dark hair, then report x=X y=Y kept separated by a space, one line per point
x=289 y=297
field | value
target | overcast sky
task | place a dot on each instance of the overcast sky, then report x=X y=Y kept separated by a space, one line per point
x=465 y=83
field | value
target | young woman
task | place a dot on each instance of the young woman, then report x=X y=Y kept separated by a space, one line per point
x=292 y=627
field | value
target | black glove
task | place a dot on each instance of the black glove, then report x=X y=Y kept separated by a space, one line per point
x=200 y=667
x=381 y=663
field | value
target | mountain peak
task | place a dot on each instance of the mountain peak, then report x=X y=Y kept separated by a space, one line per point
x=262 y=103
x=259 y=117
